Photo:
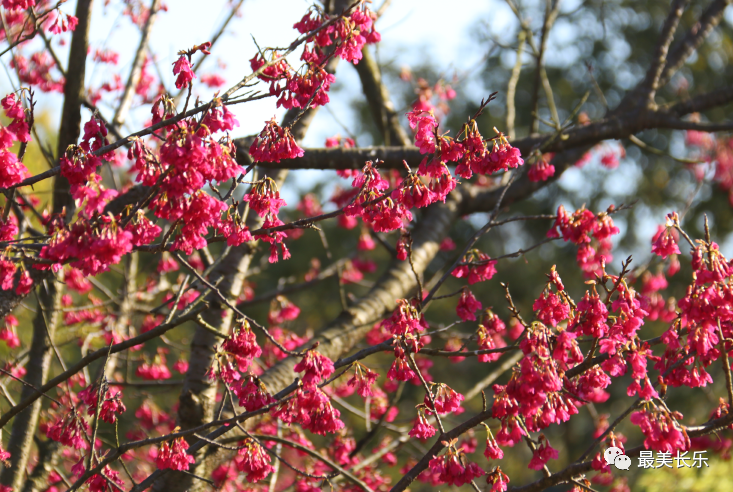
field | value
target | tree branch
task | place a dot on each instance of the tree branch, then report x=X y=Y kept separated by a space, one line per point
x=693 y=39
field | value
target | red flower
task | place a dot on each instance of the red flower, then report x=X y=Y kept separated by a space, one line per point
x=243 y=345
x=413 y=193
x=541 y=171
x=174 y=455
x=488 y=336
x=143 y=230
x=400 y=370
x=662 y=431
x=274 y=143
x=255 y=462
x=467 y=306
x=281 y=309
x=551 y=308
x=77 y=165
x=591 y=317
x=70 y=431
x=664 y=242
x=100 y=482
x=363 y=379
x=111 y=402
x=422 y=429
x=576 y=227
x=503 y=157
x=252 y=394
x=265 y=198
x=182 y=68
x=481 y=267
x=314 y=367
x=542 y=455
x=498 y=480
x=450 y=468
x=181 y=365
x=405 y=319
x=610 y=160
x=424 y=124
x=493 y=451
x=157 y=370
x=446 y=400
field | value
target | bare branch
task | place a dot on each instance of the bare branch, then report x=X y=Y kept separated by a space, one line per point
x=137 y=65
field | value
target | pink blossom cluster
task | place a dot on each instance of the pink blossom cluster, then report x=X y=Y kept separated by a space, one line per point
x=274 y=143
x=173 y=455
x=12 y=171
x=592 y=233
x=37 y=71
x=89 y=247
x=111 y=402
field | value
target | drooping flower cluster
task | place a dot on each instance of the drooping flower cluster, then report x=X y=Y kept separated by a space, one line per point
x=452 y=468
x=89 y=247
x=8 y=333
x=705 y=314
x=173 y=455
x=489 y=336
x=12 y=170
x=274 y=143
x=182 y=66
x=252 y=394
x=467 y=306
x=476 y=266
x=255 y=461
x=70 y=431
x=363 y=380
x=421 y=428
x=579 y=228
x=664 y=242
x=242 y=346
x=312 y=409
x=541 y=170
x=382 y=214
x=662 y=431
x=111 y=402
x=315 y=367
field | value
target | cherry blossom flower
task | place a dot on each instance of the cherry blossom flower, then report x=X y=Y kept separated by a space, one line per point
x=541 y=170
x=446 y=400
x=363 y=380
x=281 y=310
x=173 y=455
x=450 y=468
x=422 y=429
x=498 y=480
x=542 y=454
x=551 y=308
x=467 y=306
x=255 y=461
x=662 y=431
x=70 y=431
x=493 y=451
x=243 y=344
x=664 y=242
x=8 y=333
x=478 y=267
x=274 y=143
x=182 y=68
x=314 y=367
x=111 y=402
x=100 y=482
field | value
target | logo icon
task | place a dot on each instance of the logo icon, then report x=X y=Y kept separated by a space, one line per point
x=614 y=456
x=622 y=462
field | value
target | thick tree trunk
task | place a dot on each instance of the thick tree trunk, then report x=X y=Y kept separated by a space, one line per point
x=46 y=320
